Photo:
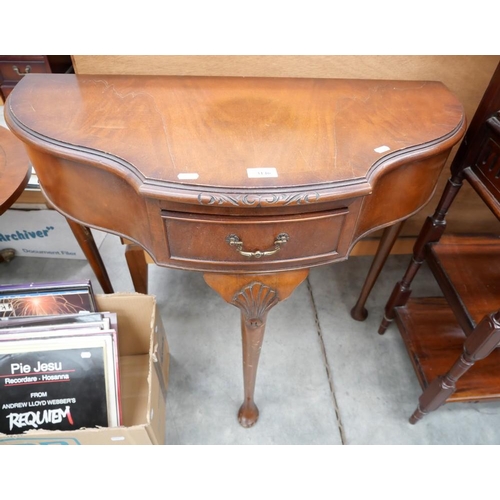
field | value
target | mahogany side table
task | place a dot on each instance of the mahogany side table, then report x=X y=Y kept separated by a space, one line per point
x=251 y=181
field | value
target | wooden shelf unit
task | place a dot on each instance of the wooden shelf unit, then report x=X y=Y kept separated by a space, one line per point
x=434 y=341
x=453 y=341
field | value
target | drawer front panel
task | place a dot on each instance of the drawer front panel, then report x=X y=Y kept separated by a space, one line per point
x=195 y=240
x=8 y=69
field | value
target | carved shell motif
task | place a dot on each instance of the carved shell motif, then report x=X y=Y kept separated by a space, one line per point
x=255 y=300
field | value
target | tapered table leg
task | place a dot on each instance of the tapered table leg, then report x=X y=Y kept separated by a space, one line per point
x=254 y=295
x=86 y=241
x=389 y=236
x=138 y=267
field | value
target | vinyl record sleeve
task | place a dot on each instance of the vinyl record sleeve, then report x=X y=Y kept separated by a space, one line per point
x=52 y=320
x=35 y=299
x=59 y=383
x=44 y=286
x=61 y=325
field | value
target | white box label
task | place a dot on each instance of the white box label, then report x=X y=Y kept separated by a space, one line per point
x=41 y=233
x=187 y=176
x=259 y=173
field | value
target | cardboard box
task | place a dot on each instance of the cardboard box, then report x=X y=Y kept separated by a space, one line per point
x=144 y=364
x=41 y=233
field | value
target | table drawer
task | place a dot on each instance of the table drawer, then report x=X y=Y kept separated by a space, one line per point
x=13 y=71
x=255 y=242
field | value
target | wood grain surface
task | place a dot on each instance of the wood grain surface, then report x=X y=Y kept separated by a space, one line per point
x=466 y=76
x=15 y=168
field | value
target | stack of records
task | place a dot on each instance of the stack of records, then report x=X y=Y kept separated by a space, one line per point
x=58 y=359
x=37 y=299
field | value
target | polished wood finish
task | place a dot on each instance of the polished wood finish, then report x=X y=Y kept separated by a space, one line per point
x=467 y=270
x=431 y=233
x=435 y=341
x=480 y=344
x=254 y=296
x=478 y=162
x=389 y=236
x=85 y=239
x=237 y=177
x=311 y=238
x=467 y=76
x=15 y=170
x=138 y=266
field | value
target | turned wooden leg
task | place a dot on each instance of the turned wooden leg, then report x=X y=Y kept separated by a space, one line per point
x=478 y=345
x=431 y=232
x=389 y=236
x=138 y=267
x=86 y=241
x=254 y=295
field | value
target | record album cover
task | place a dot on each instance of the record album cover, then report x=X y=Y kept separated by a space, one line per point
x=35 y=299
x=54 y=388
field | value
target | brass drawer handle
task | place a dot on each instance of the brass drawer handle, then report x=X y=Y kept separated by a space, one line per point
x=234 y=241
x=26 y=70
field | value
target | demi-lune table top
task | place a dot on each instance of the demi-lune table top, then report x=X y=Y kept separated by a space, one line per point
x=236 y=135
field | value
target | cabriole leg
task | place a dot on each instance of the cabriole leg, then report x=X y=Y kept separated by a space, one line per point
x=254 y=295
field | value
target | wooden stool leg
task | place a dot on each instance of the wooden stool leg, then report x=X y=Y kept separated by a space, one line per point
x=389 y=236
x=86 y=241
x=478 y=345
x=138 y=267
x=254 y=295
x=431 y=232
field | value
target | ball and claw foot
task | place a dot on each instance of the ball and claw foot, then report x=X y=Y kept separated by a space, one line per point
x=248 y=414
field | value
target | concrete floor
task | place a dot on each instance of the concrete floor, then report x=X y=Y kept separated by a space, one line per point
x=323 y=378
